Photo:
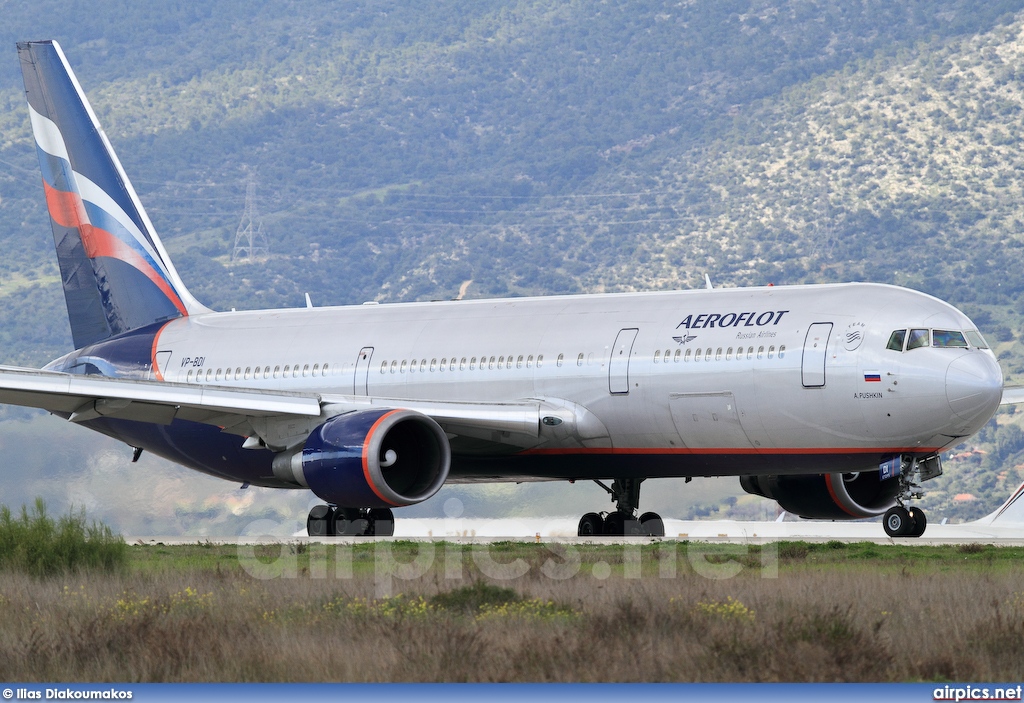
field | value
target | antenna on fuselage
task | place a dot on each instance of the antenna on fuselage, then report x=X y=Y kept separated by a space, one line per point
x=707 y=282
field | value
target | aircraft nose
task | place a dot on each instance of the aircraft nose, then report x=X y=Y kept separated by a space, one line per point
x=974 y=386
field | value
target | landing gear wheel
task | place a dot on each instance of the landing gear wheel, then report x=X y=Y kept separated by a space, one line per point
x=898 y=522
x=652 y=525
x=382 y=522
x=350 y=522
x=615 y=524
x=320 y=521
x=920 y=522
x=591 y=525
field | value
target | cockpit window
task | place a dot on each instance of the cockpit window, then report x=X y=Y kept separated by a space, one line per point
x=918 y=338
x=948 y=338
x=976 y=340
x=896 y=340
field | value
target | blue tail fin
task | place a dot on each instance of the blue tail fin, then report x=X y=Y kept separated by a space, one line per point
x=116 y=274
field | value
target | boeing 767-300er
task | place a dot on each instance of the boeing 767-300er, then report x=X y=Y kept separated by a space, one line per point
x=834 y=400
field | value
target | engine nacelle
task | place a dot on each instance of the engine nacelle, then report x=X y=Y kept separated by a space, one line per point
x=827 y=496
x=379 y=458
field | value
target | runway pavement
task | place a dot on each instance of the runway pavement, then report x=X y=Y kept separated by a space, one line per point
x=563 y=530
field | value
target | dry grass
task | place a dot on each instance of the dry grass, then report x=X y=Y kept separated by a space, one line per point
x=836 y=621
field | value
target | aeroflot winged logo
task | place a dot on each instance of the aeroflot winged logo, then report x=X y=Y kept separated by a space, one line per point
x=703 y=321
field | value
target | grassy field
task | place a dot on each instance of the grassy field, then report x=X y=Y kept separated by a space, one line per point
x=522 y=612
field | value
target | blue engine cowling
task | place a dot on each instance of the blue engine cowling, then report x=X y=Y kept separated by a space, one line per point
x=827 y=496
x=380 y=458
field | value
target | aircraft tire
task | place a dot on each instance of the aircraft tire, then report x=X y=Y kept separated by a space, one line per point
x=591 y=525
x=615 y=524
x=320 y=521
x=652 y=525
x=920 y=522
x=382 y=522
x=898 y=522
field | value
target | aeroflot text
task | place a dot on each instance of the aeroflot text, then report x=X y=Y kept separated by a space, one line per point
x=732 y=319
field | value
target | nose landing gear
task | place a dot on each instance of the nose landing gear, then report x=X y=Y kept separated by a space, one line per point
x=625 y=492
x=901 y=521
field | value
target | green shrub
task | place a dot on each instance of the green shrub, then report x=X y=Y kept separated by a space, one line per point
x=41 y=546
x=473 y=598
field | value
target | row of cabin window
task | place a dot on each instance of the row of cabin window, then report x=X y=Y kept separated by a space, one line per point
x=456 y=364
x=259 y=372
x=707 y=356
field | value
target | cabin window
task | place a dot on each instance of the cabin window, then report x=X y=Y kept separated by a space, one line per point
x=657 y=355
x=782 y=351
x=423 y=365
x=508 y=361
x=383 y=366
x=771 y=351
x=188 y=377
x=247 y=373
x=472 y=363
x=501 y=361
x=256 y=372
x=675 y=357
x=728 y=354
x=324 y=370
x=401 y=369
x=750 y=352
x=697 y=355
x=519 y=362
x=277 y=370
x=305 y=370
x=760 y=352
x=948 y=338
x=718 y=354
x=974 y=336
x=287 y=368
x=490 y=363
x=540 y=360
x=707 y=355
x=316 y=369
x=295 y=371
x=896 y=340
x=686 y=357
x=433 y=364
x=529 y=361
x=559 y=360
x=918 y=339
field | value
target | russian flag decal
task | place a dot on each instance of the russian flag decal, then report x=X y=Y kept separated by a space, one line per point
x=872 y=377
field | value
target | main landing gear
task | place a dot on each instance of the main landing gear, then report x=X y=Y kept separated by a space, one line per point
x=901 y=521
x=622 y=521
x=327 y=521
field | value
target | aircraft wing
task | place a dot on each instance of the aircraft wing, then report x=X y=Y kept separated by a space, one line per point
x=276 y=419
x=1012 y=395
x=90 y=397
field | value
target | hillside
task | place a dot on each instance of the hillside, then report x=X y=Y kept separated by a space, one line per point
x=403 y=149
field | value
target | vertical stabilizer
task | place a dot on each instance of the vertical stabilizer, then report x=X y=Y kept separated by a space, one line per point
x=116 y=274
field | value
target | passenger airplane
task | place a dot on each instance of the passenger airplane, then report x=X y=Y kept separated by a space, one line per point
x=831 y=399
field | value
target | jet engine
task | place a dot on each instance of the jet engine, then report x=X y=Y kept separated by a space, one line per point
x=850 y=496
x=380 y=458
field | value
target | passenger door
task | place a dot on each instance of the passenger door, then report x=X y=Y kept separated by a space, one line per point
x=815 y=353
